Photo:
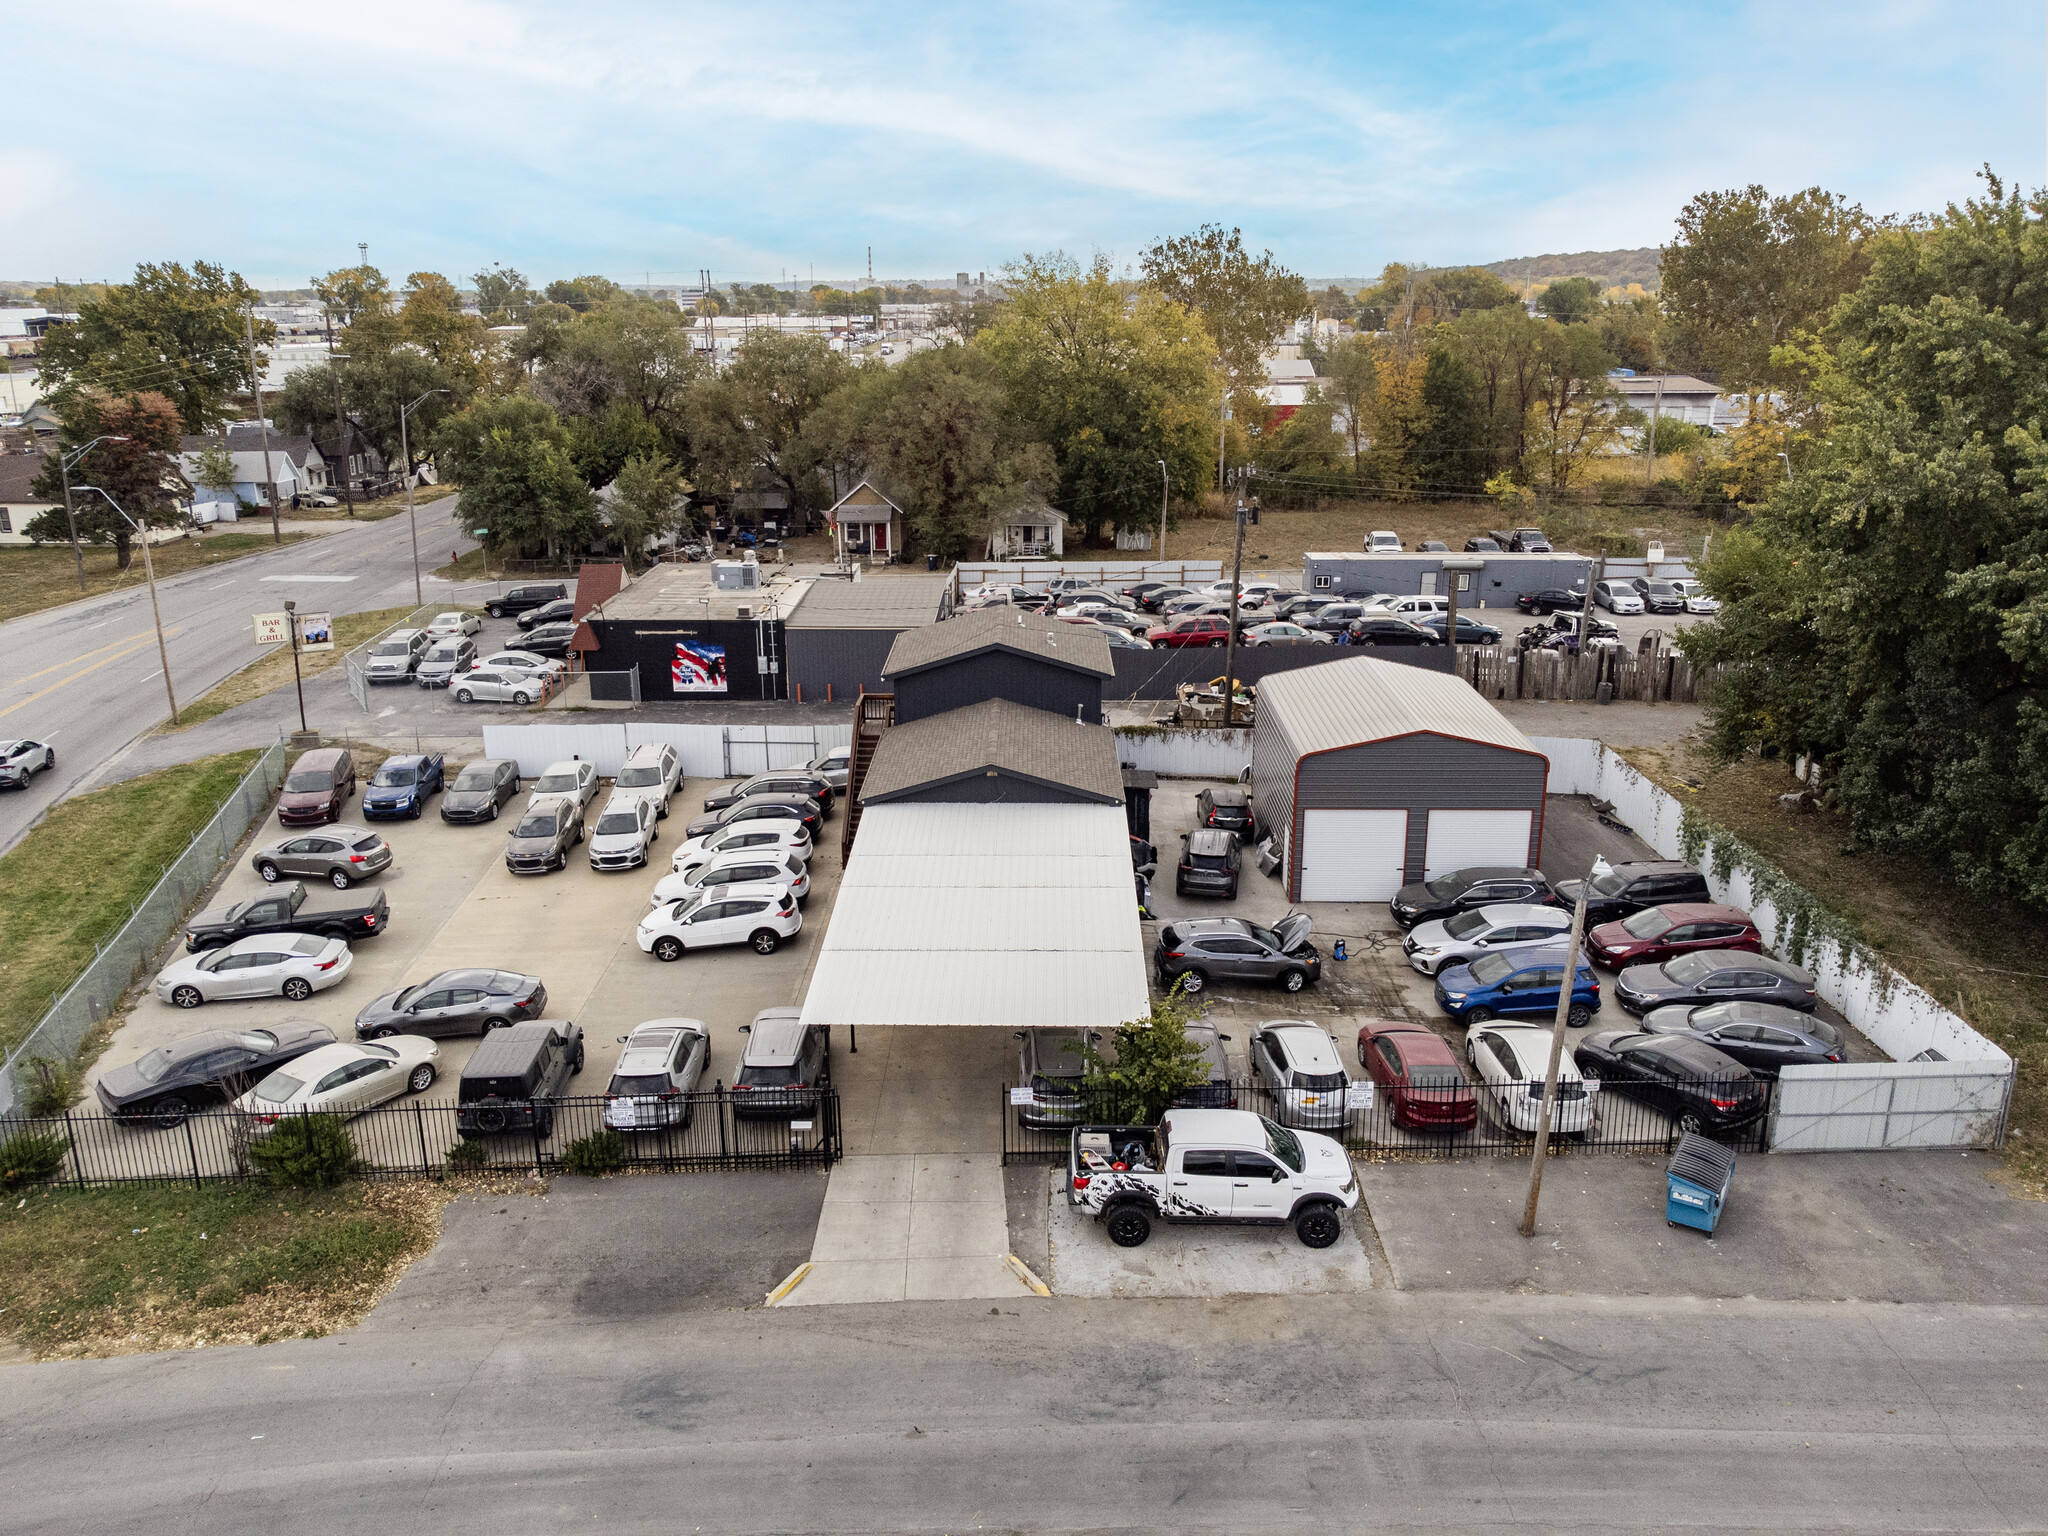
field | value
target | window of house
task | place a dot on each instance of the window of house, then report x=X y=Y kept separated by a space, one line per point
x=6 y=521
x=1323 y=582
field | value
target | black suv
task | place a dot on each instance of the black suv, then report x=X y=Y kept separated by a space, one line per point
x=1628 y=888
x=560 y=611
x=524 y=599
x=1463 y=889
x=1194 y=952
x=1209 y=864
x=1229 y=809
x=513 y=1079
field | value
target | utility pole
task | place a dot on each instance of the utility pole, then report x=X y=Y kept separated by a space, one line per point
x=1165 y=490
x=156 y=612
x=1230 y=645
x=256 y=383
x=1564 y=1010
x=64 y=473
x=291 y=624
x=348 y=493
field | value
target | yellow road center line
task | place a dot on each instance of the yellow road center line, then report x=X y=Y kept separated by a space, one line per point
x=81 y=656
x=74 y=677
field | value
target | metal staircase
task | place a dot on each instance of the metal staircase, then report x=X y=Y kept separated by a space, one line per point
x=873 y=714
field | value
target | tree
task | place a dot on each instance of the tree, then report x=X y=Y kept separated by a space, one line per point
x=1351 y=371
x=753 y=417
x=1575 y=415
x=1406 y=298
x=637 y=352
x=511 y=458
x=1887 y=608
x=648 y=501
x=432 y=320
x=173 y=332
x=1749 y=270
x=1570 y=300
x=1632 y=329
x=1245 y=303
x=503 y=295
x=1503 y=347
x=583 y=294
x=214 y=468
x=1333 y=303
x=1450 y=452
x=1397 y=416
x=139 y=472
x=938 y=431
x=1151 y=1062
x=1111 y=382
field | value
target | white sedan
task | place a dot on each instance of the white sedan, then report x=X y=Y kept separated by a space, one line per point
x=769 y=833
x=447 y=626
x=1696 y=599
x=625 y=831
x=289 y=965
x=1511 y=1061
x=576 y=778
x=343 y=1079
x=523 y=662
x=740 y=867
x=758 y=915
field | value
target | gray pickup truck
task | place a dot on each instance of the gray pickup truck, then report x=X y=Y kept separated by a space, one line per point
x=284 y=910
x=1210 y=1165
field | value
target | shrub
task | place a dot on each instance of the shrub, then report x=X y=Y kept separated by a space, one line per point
x=52 y=1087
x=469 y=1157
x=306 y=1152
x=28 y=1157
x=599 y=1153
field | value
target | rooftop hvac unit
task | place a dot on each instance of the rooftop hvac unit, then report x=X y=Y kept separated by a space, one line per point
x=735 y=575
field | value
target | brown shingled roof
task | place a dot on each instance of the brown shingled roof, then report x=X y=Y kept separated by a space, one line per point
x=1010 y=739
x=1000 y=629
x=597 y=584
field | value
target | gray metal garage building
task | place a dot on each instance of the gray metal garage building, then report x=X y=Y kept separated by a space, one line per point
x=837 y=637
x=1378 y=775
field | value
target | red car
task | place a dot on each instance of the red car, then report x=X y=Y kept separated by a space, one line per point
x=1421 y=1078
x=1657 y=934
x=1196 y=629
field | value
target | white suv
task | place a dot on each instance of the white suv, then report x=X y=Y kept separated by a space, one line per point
x=1298 y=1064
x=789 y=836
x=651 y=773
x=739 y=866
x=1416 y=609
x=1382 y=542
x=1465 y=936
x=758 y=915
x=394 y=658
x=623 y=833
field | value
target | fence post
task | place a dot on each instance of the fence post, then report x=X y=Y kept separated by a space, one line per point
x=724 y=1150
x=533 y=1122
x=192 y=1146
x=70 y=1135
x=419 y=1119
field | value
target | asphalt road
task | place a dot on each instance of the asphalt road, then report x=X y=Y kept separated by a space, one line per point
x=1383 y=1411
x=86 y=679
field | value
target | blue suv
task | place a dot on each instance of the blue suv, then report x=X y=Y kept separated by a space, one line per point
x=402 y=786
x=1514 y=986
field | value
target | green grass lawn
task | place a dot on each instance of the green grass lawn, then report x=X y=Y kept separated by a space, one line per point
x=273 y=669
x=72 y=879
x=113 y=1271
x=34 y=578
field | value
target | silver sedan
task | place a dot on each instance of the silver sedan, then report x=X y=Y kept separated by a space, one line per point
x=288 y=965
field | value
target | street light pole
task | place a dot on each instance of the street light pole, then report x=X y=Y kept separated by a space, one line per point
x=291 y=624
x=1165 y=489
x=1230 y=645
x=64 y=463
x=262 y=421
x=419 y=595
x=149 y=570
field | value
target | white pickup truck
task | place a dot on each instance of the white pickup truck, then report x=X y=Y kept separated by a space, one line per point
x=1210 y=1165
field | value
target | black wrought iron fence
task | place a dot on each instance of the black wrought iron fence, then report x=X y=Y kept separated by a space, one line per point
x=721 y=1129
x=1490 y=1120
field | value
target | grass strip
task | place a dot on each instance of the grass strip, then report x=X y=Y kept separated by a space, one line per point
x=273 y=669
x=73 y=879
x=32 y=578
x=147 y=1267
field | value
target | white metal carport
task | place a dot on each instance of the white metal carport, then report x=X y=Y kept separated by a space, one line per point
x=1011 y=915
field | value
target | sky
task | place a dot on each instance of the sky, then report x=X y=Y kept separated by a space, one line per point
x=771 y=140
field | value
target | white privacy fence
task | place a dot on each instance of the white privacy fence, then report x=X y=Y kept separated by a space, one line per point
x=1216 y=754
x=707 y=751
x=1946 y=1085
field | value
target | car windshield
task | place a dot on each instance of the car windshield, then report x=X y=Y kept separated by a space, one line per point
x=1282 y=1143
x=1647 y=924
x=1688 y=970
x=1444 y=886
x=474 y=778
x=388 y=778
x=405 y=998
x=300 y=783
x=1610 y=884
x=1265 y=936
x=1488 y=969
x=1567 y=1088
x=153 y=1066
x=638 y=1087
x=540 y=824
x=769 y=1077
x=393 y=648
x=278 y=1087
x=639 y=778
x=1320 y=1082
x=617 y=824
x=1435 y=1077
x=442 y=653
x=556 y=784
x=1465 y=924
x=1210 y=861
x=686 y=906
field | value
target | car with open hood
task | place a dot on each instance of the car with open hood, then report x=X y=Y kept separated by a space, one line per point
x=1194 y=954
x=163 y=1086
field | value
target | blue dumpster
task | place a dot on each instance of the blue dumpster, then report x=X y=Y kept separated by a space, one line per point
x=1696 y=1182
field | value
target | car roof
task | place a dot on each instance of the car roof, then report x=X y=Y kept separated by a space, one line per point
x=1653 y=867
x=320 y=757
x=776 y=1039
x=1418 y=1043
x=647 y=749
x=509 y=1050
x=1209 y=842
x=1695 y=911
x=1530 y=1044
x=474 y=976
x=1229 y=794
x=326 y=1058
x=570 y=765
x=746 y=888
x=1300 y=1035
x=1203 y=927
x=407 y=760
x=1478 y=872
x=1523 y=912
x=1216 y=1127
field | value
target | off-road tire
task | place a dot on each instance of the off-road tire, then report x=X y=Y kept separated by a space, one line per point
x=1128 y=1226
x=1318 y=1227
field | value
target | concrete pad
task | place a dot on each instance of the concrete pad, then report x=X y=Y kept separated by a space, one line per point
x=958 y=1230
x=924 y=1090
x=962 y=1279
x=921 y=1228
x=959 y=1177
x=1195 y=1261
x=840 y=1282
x=861 y=1229
x=873 y=1178
x=1841 y=1226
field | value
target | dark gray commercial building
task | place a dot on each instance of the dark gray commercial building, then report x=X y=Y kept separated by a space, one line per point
x=995 y=753
x=838 y=635
x=1375 y=775
x=1502 y=578
x=1000 y=653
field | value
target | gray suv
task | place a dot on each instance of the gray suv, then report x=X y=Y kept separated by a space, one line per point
x=1049 y=1064
x=784 y=1067
x=544 y=835
x=512 y=1081
x=340 y=855
x=1197 y=951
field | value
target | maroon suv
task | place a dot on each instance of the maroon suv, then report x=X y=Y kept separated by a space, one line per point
x=1196 y=629
x=1657 y=934
x=317 y=788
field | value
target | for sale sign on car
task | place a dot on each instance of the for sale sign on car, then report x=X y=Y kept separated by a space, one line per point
x=272 y=628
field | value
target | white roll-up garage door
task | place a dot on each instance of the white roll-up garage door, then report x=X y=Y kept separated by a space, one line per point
x=1463 y=839
x=1352 y=855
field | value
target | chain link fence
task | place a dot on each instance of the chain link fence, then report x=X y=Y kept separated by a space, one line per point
x=356 y=662
x=85 y=1004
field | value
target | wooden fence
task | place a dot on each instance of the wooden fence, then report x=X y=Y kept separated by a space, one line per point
x=1655 y=674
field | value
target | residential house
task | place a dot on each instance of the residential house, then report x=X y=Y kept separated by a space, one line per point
x=1029 y=528
x=352 y=457
x=1670 y=396
x=296 y=467
x=866 y=521
x=18 y=504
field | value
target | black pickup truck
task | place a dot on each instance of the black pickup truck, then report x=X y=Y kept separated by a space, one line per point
x=284 y=910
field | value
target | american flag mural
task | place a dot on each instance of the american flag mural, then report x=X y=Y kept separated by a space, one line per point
x=699 y=668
